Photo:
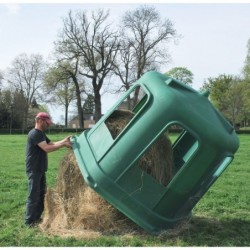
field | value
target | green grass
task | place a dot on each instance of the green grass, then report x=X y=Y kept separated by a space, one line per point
x=221 y=218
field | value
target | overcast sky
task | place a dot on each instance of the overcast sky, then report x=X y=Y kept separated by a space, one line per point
x=213 y=36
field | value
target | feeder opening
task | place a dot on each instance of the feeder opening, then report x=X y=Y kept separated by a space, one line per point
x=184 y=147
x=123 y=114
x=168 y=154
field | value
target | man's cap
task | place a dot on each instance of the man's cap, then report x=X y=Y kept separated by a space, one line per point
x=44 y=116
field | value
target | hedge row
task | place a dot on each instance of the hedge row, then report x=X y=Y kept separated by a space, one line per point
x=49 y=131
x=78 y=131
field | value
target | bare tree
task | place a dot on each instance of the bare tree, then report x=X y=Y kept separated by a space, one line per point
x=124 y=65
x=59 y=87
x=146 y=35
x=26 y=75
x=94 y=44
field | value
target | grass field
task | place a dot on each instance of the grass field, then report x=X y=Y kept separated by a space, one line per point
x=221 y=218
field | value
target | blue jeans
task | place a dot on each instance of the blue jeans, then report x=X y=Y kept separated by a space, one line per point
x=36 y=194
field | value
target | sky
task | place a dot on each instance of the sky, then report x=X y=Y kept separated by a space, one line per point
x=213 y=37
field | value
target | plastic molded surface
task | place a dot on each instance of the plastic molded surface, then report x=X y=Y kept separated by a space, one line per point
x=201 y=153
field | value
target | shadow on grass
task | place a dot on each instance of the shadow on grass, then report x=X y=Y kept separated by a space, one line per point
x=199 y=231
x=206 y=231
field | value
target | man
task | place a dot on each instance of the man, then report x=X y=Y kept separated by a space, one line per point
x=38 y=145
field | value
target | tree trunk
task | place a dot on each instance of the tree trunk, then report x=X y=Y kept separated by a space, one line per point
x=79 y=109
x=98 y=106
x=66 y=116
x=25 y=118
x=79 y=102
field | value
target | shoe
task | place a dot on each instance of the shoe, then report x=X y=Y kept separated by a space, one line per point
x=38 y=221
x=34 y=223
x=31 y=225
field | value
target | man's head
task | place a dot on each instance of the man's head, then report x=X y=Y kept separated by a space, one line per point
x=43 y=120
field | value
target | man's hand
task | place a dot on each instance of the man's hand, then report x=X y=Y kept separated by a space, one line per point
x=66 y=141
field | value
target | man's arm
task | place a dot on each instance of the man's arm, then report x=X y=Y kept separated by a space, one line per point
x=53 y=146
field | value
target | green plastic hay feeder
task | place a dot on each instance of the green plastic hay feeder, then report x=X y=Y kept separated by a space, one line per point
x=204 y=148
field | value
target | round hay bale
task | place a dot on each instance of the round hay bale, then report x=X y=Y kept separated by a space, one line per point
x=72 y=206
x=55 y=216
x=117 y=121
x=158 y=160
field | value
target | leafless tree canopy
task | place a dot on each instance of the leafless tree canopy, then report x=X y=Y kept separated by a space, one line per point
x=89 y=50
x=148 y=35
x=26 y=75
x=94 y=44
x=59 y=86
x=143 y=44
